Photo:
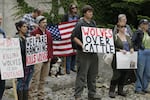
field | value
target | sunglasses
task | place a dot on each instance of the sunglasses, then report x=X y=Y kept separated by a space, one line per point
x=73 y=7
x=121 y=26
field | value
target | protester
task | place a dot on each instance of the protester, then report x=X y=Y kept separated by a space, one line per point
x=87 y=63
x=141 y=42
x=70 y=16
x=30 y=19
x=123 y=20
x=2 y=82
x=122 y=44
x=23 y=83
x=41 y=70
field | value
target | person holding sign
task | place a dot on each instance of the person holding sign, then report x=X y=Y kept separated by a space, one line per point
x=87 y=63
x=41 y=70
x=23 y=83
x=141 y=42
x=123 y=44
x=2 y=82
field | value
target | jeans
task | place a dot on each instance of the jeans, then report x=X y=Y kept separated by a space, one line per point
x=2 y=87
x=23 y=83
x=143 y=70
x=70 y=62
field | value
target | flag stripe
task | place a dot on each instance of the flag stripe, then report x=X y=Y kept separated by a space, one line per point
x=63 y=46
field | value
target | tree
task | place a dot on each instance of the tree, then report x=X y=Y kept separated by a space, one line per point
x=105 y=11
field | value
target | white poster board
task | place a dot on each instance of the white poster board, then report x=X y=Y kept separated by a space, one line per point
x=10 y=59
x=126 y=61
x=36 y=50
x=97 y=40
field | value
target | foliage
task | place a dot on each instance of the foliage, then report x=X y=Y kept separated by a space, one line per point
x=23 y=8
x=105 y=11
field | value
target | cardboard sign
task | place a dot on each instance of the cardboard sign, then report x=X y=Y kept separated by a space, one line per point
x=97 y=40
x=126 y=61
x=10 y=59
x=36 y=50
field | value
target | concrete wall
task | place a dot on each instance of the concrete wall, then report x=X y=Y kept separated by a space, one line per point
x=7 y=10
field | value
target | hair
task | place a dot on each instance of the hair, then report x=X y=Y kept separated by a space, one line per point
x=19 y=24
x=1 y=15
x=86 y=8
x=70 y=6
x=120 y=16
x=36 y=10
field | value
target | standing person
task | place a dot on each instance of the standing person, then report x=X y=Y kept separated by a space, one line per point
x=123 y=20
x=23 y=83
x=87 y=63
x=70 y=16
x=30 y=19
x=123 y=44
x=41 y=70
x=2 y=82
x=141 y=42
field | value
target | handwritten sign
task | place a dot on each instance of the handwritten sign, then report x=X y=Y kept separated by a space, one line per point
x=36 y=50
x=10 y=59
x=126 y=61
x=97 y=40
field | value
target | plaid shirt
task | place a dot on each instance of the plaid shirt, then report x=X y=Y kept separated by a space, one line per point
x=30 y=22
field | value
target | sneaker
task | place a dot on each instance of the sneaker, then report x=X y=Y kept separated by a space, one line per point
x=146 y=91
x=78 y=98
x=112 y=95
x=95 y=97
x=73 y=70
x=68 y=72
x=140 y=92
x=122 y=94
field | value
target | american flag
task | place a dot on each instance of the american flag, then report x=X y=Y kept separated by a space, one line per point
x=61 y=35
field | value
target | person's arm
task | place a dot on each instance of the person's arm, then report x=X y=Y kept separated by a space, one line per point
x=115 y=30
x=65 y=18
x=50 y=46
x=78 y=41
x=76 y=34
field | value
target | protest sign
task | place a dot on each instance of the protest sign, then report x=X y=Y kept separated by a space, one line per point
x=10 y=59
x=97 y=40
x=126 y=61
x=36 y=50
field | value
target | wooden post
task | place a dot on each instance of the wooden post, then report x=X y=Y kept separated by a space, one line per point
x=64 y=64
x=14 y=89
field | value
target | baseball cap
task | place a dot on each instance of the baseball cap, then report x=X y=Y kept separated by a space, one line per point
x=143 y=21
x=39 y=19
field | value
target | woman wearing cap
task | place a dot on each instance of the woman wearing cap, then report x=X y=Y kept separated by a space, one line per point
x=141 y=42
